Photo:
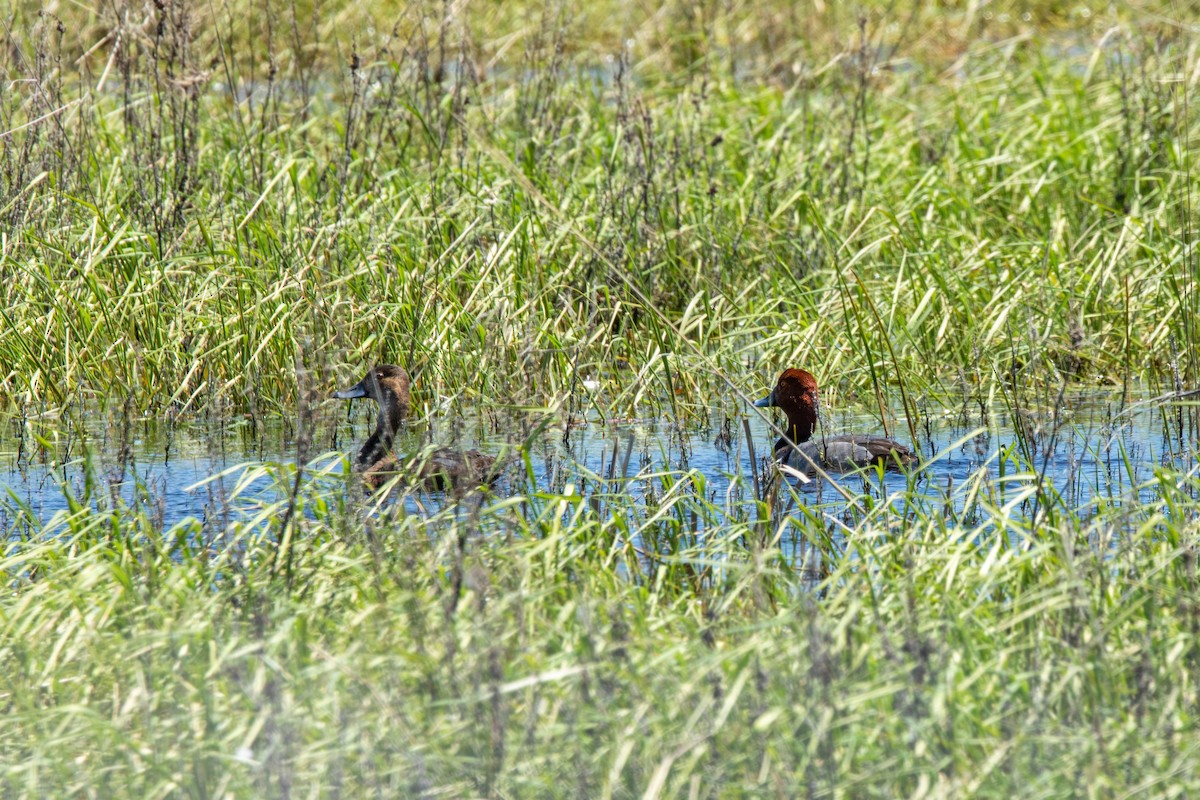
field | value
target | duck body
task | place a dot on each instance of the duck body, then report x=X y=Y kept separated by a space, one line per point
x=445 y=469
x=844 y=453
x=441 y=469
x=796 y=395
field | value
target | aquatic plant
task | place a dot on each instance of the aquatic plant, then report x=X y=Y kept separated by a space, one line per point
x=212 y=216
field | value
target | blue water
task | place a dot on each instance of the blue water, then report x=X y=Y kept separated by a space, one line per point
x=1097 y=450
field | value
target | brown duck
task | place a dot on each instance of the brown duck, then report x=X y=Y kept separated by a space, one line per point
x=444 y=468
x=796 y=394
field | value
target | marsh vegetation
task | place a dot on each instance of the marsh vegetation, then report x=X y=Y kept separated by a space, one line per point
x=592 y=234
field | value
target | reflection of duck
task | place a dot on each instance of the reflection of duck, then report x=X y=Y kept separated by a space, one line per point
x=796 y=394
x=443 y=468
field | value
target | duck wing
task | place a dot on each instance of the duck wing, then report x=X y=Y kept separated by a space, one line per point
x=442 y=469
x=447 y=468
x=854 y=451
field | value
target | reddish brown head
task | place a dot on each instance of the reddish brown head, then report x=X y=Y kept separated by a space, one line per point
x=795 y=393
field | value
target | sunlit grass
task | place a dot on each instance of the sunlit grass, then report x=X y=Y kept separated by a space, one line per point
x=533 y=645
x=610 y=215
x=530 y=228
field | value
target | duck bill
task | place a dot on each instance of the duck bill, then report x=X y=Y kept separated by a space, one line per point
x=766 y=402
x=351 y=393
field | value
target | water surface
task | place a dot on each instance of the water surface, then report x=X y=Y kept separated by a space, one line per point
x=1094 y=448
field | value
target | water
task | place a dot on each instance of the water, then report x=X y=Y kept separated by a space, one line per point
x=1097 y=449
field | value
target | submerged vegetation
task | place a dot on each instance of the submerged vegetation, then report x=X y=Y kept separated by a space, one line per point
x=557 y=215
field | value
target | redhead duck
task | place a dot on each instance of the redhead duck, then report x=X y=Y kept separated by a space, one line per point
x=796 y=394
x=444 y=468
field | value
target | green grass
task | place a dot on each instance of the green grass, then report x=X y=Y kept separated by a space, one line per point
x=506 y=233
x=940 y=207
x=526 y=648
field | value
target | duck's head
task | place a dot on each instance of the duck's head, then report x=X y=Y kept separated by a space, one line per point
x=795 y=393
x=386 y=384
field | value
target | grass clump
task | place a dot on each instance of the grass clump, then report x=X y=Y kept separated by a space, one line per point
x=186 y=224
x=532 y=646
x=213 y=216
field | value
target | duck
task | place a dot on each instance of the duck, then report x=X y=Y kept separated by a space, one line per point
x=795 y=393
x=442 y=469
